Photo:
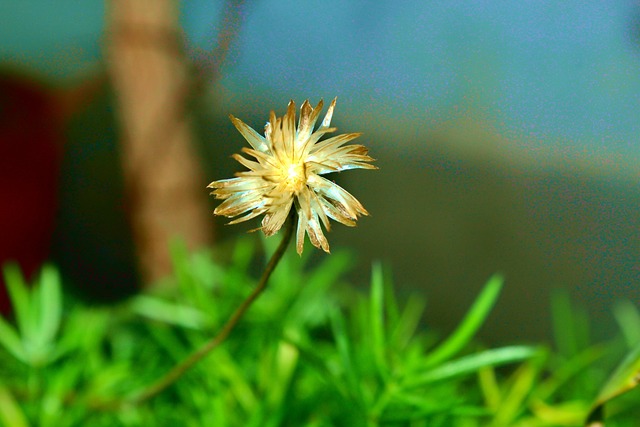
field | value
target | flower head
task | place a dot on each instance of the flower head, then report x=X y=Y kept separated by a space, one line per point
x=287 y=171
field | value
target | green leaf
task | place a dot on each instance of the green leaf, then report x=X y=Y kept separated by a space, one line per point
x=405 y=327
x=226 y=368
x=312 y=304
x=344 y=353
x=515 y=397
x=571 y=369
x=84 y=330
x=19 y=294
x=376 y=318
x=626 y=377
x=50 y=304
x=282 y=368
x=10 y=413
x=628 y=318
x=470 y=324
x=169 y=312
x=471 y=364
x=570 y=325
x=10 y=340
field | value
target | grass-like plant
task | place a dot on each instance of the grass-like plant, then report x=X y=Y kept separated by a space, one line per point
x=312 y=351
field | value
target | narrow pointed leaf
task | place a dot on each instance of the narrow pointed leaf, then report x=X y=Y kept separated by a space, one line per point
x=625 y=378
x=469 y=325
x=50 y=304
x=10 y=413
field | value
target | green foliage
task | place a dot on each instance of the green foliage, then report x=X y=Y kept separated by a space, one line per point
x=312 y=351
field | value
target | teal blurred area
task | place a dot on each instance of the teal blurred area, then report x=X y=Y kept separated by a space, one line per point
x=53 y=39
x=561 y=75
x=507 y=136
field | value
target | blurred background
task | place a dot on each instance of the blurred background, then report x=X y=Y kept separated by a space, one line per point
x=507 y=136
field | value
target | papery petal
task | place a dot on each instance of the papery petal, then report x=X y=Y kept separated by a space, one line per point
x=226 y=183
x=327 y=118
x=304 y=200
x=325 y=147
x=317 y=208
x=254 y=166
x=239 y=185
x=254 y=213
x=265 y=159
x=308 y=117
x=336 y=211
x=300 y=232
x=273 y=220
x=308 y=145
x=240 y=203
x=339 y=159
x=289 y=130
x=268 y=130
x=328 y=168
x=308 y=208
x=257 y=141
x=278 y=147
x=340 y=198
x=265 y=174
x=316 y=236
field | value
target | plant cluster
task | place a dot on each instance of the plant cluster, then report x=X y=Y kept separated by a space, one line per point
x=312 y=351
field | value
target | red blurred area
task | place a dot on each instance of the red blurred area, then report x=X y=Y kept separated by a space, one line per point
x=30 y=154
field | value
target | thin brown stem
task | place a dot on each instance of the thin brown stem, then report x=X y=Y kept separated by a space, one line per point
x=178 y=370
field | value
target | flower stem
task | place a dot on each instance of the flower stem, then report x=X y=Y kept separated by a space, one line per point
x=177 y=371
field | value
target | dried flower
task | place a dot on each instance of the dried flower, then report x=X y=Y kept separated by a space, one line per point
x=288 y=172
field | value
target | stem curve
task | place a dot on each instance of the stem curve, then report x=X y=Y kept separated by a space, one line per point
x=177 y=371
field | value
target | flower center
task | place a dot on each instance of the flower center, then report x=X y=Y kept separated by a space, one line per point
x=295 y=176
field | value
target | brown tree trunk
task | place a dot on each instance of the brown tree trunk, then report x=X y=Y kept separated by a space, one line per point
x=164 y=180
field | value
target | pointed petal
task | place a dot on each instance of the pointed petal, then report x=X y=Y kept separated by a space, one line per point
x=307 y=146
x=278 y=146
x=300 y=232
x=289 y=130
x=336 y=212
x=316 y=236
x=339 y=197
x=254 y=166
x=327 y=118
x=239 y=203
x=338 y=159
x=317 y=208
x=274 y=219
x=265 y=159
x=328 y=168
x=254 y=213
x=225 y=193
x=226 y=188
x=268 y=129
x=334 y=142
x=304 y=122
x=308 y=118
x=253 y=138
x=224 y=182
x=305 y=202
